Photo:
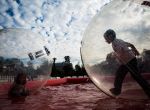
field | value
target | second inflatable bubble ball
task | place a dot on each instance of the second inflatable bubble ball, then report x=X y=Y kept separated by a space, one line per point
x=25 y=60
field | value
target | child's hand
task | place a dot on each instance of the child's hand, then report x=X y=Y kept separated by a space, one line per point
x=136 y=52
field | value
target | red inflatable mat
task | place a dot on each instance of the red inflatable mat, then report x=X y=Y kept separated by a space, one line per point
x=32 y=85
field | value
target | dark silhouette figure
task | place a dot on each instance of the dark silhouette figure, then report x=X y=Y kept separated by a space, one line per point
x=68 y=68
x=78 y=70
x=65 y=69
x=146 y=3
x=55 y=71
x=18 y=88
x=84 y=71
x=126 y=54
x=67 y=59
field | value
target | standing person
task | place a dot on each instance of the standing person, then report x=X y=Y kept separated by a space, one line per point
x=126 y=54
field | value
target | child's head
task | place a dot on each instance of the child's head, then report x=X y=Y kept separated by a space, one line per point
x=21 y=78
x=109 y=35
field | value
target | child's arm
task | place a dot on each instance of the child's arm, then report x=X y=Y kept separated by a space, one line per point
x=133 y=48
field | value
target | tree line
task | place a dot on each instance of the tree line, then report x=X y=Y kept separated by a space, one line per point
x=65 y=69
x=110 y=64
x=12 y=66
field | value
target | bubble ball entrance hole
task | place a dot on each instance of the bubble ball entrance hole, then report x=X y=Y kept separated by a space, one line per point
x=130 y=21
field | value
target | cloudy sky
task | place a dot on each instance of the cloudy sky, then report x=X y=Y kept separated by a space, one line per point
x=129 y=20
x=61 y=22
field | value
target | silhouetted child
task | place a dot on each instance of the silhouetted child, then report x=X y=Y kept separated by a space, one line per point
x=18 y=88
x=126 y=54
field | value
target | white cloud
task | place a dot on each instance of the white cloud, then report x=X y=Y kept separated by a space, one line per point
x=129 y=20
x=61 y=22
x=18 y=43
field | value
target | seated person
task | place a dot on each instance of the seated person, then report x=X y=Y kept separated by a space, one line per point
x=18 y=88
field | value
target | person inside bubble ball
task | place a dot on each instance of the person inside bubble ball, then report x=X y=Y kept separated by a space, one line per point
x=126 y=54
x=18 y=87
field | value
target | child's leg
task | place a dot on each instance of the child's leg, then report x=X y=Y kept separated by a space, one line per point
x=120 y=75
x=132 y=66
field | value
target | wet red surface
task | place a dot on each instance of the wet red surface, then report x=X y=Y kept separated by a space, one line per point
x=33 y=85
x=71 y=97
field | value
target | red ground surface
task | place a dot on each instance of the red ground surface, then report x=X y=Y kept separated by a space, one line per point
x=71 y=97
x=70 y=94
x=33 y=85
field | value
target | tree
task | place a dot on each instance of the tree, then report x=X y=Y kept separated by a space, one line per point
x=78 y=70
x=1 y=64
x=67 y=59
